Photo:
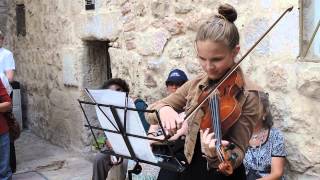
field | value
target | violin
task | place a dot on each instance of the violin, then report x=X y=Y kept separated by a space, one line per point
x=222 y=110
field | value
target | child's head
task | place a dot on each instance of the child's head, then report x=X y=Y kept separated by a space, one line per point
x=217 y=43
x=220 y=28
x=116 y=84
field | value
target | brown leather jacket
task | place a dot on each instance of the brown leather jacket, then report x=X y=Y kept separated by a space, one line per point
x=186 y=97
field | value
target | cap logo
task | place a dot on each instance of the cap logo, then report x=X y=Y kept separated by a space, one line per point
x=174 y=74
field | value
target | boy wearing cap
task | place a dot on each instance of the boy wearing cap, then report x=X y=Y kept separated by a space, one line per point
x=175 y=79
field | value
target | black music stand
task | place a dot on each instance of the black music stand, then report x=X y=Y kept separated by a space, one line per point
x=170 y=162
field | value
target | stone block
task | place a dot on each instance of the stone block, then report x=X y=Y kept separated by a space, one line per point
x=160 y=8
x=149 y=81
x=174 y=26
x=101 y=26
x=182 y=7
x=19 y=1
x=309 y=80
x=278 y=78
x=3 y=3
x=180 y=47
x=297 y=160
x=156 y=64
x=152 y=42
x=124 y=62
x=196 y=18
x=193 y=67
x=129 y=27
x=130 y=45
x=3 y=10
x=140 y=9
x=126 y=8
x=70 y=68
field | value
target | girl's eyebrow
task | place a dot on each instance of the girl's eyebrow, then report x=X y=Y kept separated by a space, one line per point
x=213 y=58
x=217 y=58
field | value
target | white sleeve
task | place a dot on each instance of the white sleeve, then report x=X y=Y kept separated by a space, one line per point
x=6 y=83
x=9 y=62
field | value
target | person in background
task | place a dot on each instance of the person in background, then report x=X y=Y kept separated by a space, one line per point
x=176 y=78
x=265 y=157
x=7 y=67
x=103 y=162
x=5 y=105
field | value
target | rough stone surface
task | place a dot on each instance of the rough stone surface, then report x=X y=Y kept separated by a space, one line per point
x=70 y=66
x=174 y=26
x=3 y=15
x=197 y=17
x=183 y=7
x=101 y=26
x=277 y=79
x=309 y=80
x=160 y=8
x=152 y=42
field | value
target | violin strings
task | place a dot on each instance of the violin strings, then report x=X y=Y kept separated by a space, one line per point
x=214 y=106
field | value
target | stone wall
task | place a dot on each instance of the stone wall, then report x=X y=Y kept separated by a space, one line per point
x=149 y=38
x=3 y=15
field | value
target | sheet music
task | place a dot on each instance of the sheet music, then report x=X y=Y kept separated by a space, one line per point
x=141 y=147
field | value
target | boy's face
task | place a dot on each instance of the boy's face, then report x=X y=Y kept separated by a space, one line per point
x=172 y=87
x=115 y=87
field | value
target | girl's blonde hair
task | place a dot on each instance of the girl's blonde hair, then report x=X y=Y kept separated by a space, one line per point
x=221 y=27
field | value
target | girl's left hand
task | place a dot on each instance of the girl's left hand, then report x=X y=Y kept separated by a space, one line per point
x=208 y=143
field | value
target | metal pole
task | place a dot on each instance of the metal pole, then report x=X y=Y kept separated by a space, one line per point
x=312 y=38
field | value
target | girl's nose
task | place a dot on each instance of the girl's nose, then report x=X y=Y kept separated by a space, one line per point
x=210 y=65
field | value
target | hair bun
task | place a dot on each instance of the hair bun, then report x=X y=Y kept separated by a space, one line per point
x=228 y=11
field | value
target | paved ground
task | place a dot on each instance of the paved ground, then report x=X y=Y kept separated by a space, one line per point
x=39 y=160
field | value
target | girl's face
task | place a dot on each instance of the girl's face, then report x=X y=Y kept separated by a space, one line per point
x=215 y=58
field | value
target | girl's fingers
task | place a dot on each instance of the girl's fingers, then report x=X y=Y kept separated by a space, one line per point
x=209 y=137
x=225 y=143
x=205 y=134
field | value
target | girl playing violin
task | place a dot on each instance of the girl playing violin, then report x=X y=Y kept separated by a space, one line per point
x=217 y=45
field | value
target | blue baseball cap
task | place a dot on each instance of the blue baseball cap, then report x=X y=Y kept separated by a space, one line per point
x=177 y=76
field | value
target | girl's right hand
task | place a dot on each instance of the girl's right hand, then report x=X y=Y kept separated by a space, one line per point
x=181 y=132
x=170 y=119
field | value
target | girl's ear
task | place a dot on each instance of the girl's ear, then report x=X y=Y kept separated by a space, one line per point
x=235 y=51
